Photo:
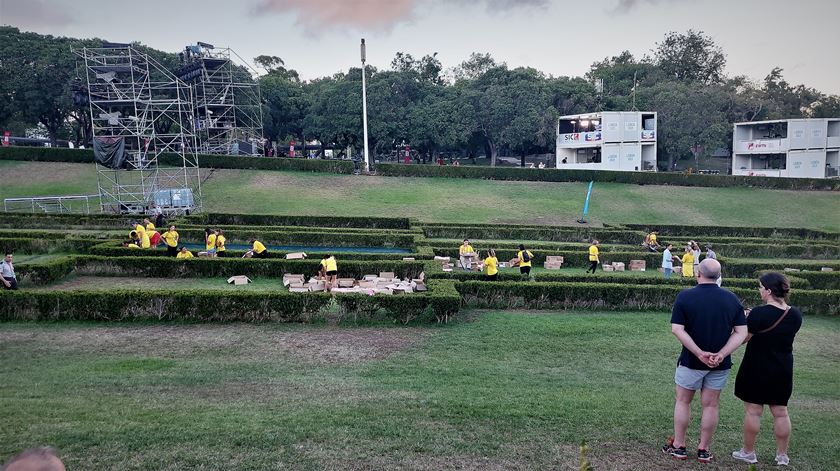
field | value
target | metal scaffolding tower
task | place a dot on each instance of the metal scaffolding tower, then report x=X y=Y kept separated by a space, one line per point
x=228 y=106
x=141 y=109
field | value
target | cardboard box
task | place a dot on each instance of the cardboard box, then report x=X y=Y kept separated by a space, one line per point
x=441 y=259
x=298 y=285
x=367 y=284
x=637 y=265
x=618 y=266
x=238 y=280
x=369 y=277
x=447 y=269
x=420 y=287
x=826 y=269
x=607 y=267
x=299 y=290
x=503 y=264
x=554 y=259
x=792 y=270
x=408 y=259
x=346 y=282
x=295 y=256
x=317 y=286
x=388 y=275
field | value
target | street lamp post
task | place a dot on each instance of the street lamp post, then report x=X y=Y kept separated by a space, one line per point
x=364 y=107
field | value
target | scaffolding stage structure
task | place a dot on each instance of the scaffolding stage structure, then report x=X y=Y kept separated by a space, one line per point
x=228 y=105
x=145 y=112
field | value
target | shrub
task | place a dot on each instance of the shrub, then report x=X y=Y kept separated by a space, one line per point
x=639 y=178
x=308 y=221
x=525 y=233
x=45 y=273
x=28 y=245
x=683 y=231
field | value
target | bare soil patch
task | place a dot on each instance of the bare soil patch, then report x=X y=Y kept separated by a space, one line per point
x=309 y=344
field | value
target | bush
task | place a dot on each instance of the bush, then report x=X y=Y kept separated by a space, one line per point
x=47 y=154
x=307 y=221
x=750 y=269
x=170 y=267
x=572 y=258
x=553 y=295
x=40 y=246
x=822 y=280
x=64 y=221
x=309 y=237
x=45 y=273
x=639 y=178
x=532 y=233
x=114 y=249
x=682 y=231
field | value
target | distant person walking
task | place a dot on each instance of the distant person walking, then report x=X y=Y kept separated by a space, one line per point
x=466 y=254
x=766 y=373
x=491 y=264
x=710 y=324
x=688 y=263
x=7 y=271
x=594 y=257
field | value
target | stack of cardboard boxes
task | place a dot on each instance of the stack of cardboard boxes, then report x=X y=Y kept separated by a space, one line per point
x=553 y=262
x=637 y=265
x=385 y=283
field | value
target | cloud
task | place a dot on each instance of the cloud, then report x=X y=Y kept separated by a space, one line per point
x=368 y=15
x=626 y=6
x=32 y=14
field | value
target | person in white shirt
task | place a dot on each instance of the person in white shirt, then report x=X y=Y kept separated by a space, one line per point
x=668 y=261
x=7 y=272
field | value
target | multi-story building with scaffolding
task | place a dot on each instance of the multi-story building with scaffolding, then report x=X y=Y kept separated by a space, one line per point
x=798 y=148
x=228 y=106
x=607 y=140
x=141 y=115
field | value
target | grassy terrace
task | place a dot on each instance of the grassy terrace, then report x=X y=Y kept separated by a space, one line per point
x=455 y=200
x=501 y=390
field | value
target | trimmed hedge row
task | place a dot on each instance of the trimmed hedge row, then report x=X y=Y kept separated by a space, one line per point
x=613 y=296
x=545 y=234
x=819 y=279
x=292 y=220
x=576 y=258
x=441 y=302
x=311 y=237
x=639 y=178
x=45 y=273
x=64 y=221
x=678 y=230
x=28 y=245
x=343 y=230
x=169 y=267
x=607 y=277
x=750 y=269
x=114 y=249
x=47 y=154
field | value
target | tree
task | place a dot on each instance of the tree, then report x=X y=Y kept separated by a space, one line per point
x=474 y=67
x=690 y=57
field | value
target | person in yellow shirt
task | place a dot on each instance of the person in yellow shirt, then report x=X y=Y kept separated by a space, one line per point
x=525 y=258
x=329 y=266
x=491 y=264
x=136 y=230
x=170 y=238
x=466 y=254
x=258 y=250
x=594 y=258
x=145 y=242
x=148 y=225
x=184 y=253
x=130 y=245
x=688 y=263
x=209 y=243
x=220 y=243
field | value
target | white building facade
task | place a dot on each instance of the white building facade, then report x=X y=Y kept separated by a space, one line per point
x=796 y=148
x=607 y=140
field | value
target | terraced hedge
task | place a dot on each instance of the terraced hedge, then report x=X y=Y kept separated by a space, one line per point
x=524 y=233
x=29 y=245
x=114 y=249
x=639 y=178
x=308 y=221
x=730 y=231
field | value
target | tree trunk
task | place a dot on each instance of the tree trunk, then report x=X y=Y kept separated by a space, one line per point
x=491 y=151
x=522 y=160
x=670 y=162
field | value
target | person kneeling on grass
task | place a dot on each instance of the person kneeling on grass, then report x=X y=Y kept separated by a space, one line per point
x=525 y=257
x=170 y=238
x=184 y=253
x=154 y=238
x=491 y=264
x=143 y=239
x=258 y=250
x=329 y=267
x=129 y=244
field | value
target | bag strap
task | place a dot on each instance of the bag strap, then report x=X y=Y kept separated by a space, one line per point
x=778 y=321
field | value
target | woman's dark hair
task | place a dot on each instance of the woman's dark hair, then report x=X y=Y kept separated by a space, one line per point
x=521 y=247
x=207 y=231
x=777 y=284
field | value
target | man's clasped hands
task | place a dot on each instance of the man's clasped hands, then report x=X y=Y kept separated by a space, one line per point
x=712 y=360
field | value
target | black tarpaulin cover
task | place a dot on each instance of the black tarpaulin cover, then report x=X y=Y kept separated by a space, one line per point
x=109 y=151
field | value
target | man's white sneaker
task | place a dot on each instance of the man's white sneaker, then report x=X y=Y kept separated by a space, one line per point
x=782 y=460
x=746 y=457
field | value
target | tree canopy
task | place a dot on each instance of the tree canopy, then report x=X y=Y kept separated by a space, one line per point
x=480 y=106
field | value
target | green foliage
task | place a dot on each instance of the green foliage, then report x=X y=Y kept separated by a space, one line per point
x=45 y=273
x=685 y=230
x=639 y=178
x=307 y=221
x=28 y=245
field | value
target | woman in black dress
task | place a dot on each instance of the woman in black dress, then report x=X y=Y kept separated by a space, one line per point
x=766 y=373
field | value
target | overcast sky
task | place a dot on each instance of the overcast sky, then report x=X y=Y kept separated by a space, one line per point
x=320 y=37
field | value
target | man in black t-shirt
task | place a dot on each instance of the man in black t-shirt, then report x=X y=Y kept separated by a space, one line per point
x=709 y=321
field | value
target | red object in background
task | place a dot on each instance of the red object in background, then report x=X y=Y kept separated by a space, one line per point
x=407 y=158
x=292 y=148
x=6 y=135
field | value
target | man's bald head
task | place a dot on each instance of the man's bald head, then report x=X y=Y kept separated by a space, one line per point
x=35 y=459
x=709 y=270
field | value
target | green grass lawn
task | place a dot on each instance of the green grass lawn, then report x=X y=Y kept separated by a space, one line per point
x=507 y=390
x=461 y=200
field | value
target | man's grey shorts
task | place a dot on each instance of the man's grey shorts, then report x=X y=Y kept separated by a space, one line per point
x=700 y=379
